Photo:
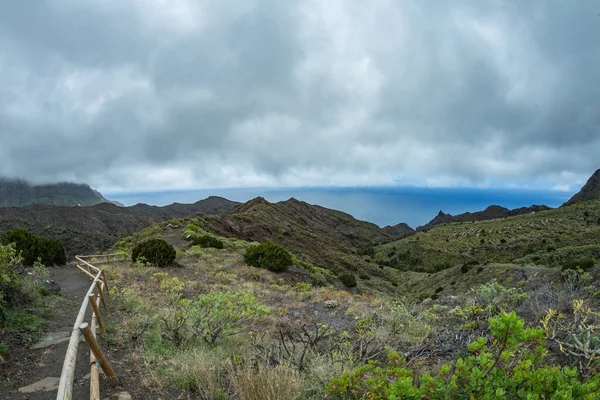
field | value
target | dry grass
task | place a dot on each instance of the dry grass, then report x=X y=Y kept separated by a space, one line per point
x=279 y=383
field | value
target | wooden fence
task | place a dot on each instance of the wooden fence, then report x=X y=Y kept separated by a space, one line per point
x=96 y=296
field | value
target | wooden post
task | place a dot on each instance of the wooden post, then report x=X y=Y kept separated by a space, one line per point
x=91 y=341
x=94 y=371
x=91 y=271
x=101 y=294
x=94 y=302
x=108 y=259
x=105 y=282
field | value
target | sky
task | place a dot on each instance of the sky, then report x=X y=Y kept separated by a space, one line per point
x=132 y=95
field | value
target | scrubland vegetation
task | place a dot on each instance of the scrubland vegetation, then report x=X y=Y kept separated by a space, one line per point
x=494 y=309
x=256 y=321
x=24 y=300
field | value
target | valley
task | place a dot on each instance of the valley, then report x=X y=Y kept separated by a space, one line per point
x=210 y=323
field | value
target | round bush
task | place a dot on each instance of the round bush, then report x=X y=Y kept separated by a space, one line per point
x=348 y=279
x=268 y=255
x=206 y=241
x=50 y=251
x=155 y=251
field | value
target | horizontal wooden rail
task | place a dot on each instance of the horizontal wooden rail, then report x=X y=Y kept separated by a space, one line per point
x=100 y=284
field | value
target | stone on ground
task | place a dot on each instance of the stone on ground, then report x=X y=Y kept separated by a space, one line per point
x=119 y=396
x=45 y=385
x=51 y=339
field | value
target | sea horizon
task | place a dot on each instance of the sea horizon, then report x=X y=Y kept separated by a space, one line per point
x=380 y=205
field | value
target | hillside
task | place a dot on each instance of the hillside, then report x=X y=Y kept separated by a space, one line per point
x=84 y=230
x=589 y=191
x=491 y=212
x=19 y=193
x=324 y=236
x=548 y=237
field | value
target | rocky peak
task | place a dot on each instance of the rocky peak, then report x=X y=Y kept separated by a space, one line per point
x=589 y=191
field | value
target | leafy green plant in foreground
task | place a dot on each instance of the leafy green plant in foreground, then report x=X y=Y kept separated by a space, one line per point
x=218 y=315
x=510 y=367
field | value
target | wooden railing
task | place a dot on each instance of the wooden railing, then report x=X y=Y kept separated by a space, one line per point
x=88 y=331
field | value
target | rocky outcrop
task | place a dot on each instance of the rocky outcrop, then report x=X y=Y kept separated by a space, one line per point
x=492 y=212
x=589 y=191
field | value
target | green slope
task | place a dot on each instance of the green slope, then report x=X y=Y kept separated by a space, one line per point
x=544 y=238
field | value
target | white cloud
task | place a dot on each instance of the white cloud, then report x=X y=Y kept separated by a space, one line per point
x=184 y=94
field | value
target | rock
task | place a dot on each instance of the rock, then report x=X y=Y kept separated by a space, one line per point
x=51 y=339
x=20 y=269
x=53 y=287
x=119 y=396
x=45 y=385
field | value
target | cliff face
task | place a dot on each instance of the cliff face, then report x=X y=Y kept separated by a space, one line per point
x=589 y=191
x=18 y=193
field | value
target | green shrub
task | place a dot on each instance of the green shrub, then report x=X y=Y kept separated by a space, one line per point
x=206 y=241
x=512 y=365
x=268 y=255
x=32 y=248
x=217 y=315
x=154 y=251
x=584 y=264
x=364 y=277
x=11 y=283
x=348 y=279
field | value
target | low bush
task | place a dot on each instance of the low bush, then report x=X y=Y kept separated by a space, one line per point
x=206 y=241
x=348 y=280
x=32 y=248
x=512 y=365
x=154 y=251
x=584 y=264
x=218 y=315
x=268 y=255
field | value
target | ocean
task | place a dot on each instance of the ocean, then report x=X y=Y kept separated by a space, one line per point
x=381 y=205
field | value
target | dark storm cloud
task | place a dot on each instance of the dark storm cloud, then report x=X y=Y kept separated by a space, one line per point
x=180 y=94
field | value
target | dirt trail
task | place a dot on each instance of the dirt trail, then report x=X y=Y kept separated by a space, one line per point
x=37 y=364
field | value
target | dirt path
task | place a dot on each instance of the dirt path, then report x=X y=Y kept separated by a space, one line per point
x=33 y=365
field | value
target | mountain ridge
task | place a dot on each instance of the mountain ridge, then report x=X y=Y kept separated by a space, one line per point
x=491 y=212
x=589 y=191
x=326 y=236
x=84 y=230
x=21 y=193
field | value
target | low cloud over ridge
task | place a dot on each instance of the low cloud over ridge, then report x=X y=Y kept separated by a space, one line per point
x=132 y=95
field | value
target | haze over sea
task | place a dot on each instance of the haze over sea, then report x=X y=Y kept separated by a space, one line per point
x=382 y=205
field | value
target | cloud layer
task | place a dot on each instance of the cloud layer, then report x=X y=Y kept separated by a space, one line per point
x=171 y=94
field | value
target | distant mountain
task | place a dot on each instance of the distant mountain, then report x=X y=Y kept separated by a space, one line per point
x=492 y=212
x=19 y=193
x=398 y=230
x=589 y=191
x=84 y=230
x=327 y=237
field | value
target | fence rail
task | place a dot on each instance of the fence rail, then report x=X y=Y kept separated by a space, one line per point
x=81 y=328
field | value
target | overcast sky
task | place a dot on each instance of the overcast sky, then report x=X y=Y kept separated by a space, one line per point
x=176 y=94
